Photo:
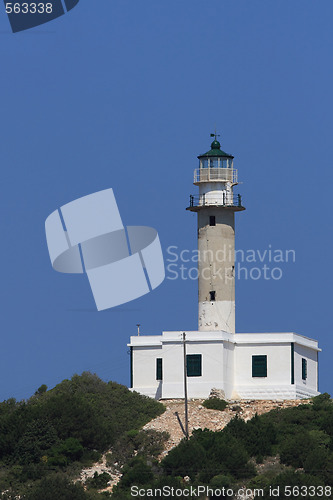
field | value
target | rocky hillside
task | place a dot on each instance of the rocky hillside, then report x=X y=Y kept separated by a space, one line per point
x=202 y=418
x=268 y=444
x=172 y=420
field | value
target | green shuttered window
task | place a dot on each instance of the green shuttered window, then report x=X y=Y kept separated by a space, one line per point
x=159 y=369
x=292 y=363
x=304 y=369
x=193 y=362
x=259 y=366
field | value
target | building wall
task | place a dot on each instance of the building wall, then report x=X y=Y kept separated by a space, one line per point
x=278 y=364
x=226 y=365
x=198 y=387
x=144 y=370
x=228 y=368
x=311 y=382
x=278 y=380
x=173 y=364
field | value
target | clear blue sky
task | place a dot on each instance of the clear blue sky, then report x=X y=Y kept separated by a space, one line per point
x=124 y=94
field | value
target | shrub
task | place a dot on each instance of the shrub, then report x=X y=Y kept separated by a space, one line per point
x=71 y=448
x=109 y=459
x=56 y=487
x=99 y=481
x=291 y=479
x=221 y=481
x=215 y=404
x=41 y=390
x=257 y=435
x=65 y=452
x=208 y=454
x=38 y=437
x=146 y=443
x=187 y=459
x=321 y=401
x=136 y=472
x=295 y=449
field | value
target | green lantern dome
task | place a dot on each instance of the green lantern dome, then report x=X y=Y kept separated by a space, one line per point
x=215 y=145
x=215 y=151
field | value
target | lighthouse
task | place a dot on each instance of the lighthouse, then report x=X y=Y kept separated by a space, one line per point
x=216 y=204
x=242 y=366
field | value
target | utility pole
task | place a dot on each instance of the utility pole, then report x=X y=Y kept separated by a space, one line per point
x=185 y=386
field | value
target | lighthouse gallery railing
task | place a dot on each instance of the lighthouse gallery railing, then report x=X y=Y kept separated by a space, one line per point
x=224 y=200
x=216 y=174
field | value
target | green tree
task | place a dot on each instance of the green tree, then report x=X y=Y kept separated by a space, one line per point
x=99 y=481
x=64 y=452
x=187 y=459
x=56 y=487
x=39 y=437
x=284 y=482
x=136 y=472
x=41 y=390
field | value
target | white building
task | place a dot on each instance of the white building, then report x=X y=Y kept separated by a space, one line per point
x=242 y=365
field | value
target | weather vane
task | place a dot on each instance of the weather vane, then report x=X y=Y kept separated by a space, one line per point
x=215 y=135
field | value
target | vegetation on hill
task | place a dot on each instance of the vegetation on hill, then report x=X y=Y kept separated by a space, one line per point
x=61 y=430
x=46 y=441
x=288 y=448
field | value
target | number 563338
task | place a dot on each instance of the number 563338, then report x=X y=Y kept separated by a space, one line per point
x=28 y=8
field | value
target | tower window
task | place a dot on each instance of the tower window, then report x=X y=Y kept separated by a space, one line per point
x=259 y=366
x=304 y=369
x=212 y=296
x=193 y=365
x=212 y=220
x=159 y=369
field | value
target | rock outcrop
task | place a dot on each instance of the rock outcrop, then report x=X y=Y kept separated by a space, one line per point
x=215 y=420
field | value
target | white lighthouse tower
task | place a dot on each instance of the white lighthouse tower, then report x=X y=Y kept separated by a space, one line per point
x=216 y=205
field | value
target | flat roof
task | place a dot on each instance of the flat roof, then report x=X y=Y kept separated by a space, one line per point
x=176 y=337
